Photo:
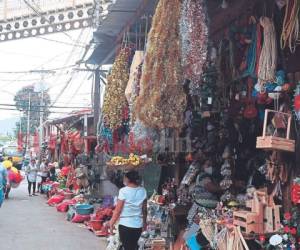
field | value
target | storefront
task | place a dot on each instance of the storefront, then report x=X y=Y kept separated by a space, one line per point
x=212 y=98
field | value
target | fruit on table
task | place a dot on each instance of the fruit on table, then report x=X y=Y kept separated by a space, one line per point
x=132 y=160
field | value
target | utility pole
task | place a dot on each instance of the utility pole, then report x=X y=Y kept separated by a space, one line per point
x=41 y=88
x=41 y=134
x=28 y=123
x=97 y=87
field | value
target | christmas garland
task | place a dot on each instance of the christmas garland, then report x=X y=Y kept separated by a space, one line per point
x=162 y=101
x=135 y=93
x=114 y=100
x=194 y=39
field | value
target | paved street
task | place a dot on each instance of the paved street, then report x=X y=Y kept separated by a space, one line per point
x=28 y=223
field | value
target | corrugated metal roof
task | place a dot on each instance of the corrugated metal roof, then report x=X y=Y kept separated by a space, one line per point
x=121 y=15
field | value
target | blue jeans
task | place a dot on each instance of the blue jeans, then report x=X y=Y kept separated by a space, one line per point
x=1 y=196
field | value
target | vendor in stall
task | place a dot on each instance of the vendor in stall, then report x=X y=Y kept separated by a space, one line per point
x=207 y=189
x=131 y=211
x=205 y=196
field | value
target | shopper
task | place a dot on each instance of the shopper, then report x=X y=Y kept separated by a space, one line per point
x=8 y=164
x=43 y=173
x=131 y=211
x=8 y=186
x=3 y=182
x=52 y=172
x=31 y=172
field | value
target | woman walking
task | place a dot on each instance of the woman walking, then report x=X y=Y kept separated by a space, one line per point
x=31 y=172
x=43 y=173
x=131 y=211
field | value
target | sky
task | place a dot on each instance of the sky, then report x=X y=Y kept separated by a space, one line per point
x=38 y=53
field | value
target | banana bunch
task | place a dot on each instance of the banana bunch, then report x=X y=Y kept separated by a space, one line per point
x=120 y=161
x=134 y=160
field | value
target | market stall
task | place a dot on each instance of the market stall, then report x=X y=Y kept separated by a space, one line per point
x=211 y=98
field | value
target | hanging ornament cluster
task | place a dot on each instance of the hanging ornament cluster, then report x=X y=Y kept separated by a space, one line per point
x=290 y=30
x=133 y=86
x=194 y=39
x=115 y=100
x=268 y=57
x=162 y=101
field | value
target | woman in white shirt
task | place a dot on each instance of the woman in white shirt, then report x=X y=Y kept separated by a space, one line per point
x=31 y=172
x=131 y=211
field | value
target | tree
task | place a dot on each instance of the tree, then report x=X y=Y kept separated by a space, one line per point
x=38 y=103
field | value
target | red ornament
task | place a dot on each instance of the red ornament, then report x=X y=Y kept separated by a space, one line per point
x=262 y=98
x=189 y=157
x=262 y=238
x=287 y=216
x=286 y=229
x=293 y=231
x=297 y=102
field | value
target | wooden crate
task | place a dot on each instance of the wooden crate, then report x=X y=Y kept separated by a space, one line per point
x=272 y=219
x=249 y=222
x=274 y=142
x=159 y=244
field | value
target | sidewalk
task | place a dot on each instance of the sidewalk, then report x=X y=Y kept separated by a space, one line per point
x=28 y=223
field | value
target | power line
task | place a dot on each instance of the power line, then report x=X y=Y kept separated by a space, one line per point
x=77 y=90
x=36 y=111
x=60 y=42
x=48 y=61
x=31 y=71
x=64 y=88
x=41 y=106
x=67 y=61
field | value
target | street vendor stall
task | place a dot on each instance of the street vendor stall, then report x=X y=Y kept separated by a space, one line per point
x=213 y=100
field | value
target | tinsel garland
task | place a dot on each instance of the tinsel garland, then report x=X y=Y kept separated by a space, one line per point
x=194 y=40
x=135 y=93
x=269 y=54
x=114 y=99
x=162 y=101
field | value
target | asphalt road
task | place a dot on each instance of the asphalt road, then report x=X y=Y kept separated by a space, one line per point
x=28 y=223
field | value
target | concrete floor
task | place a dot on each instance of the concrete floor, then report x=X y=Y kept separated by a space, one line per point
x=28 y=223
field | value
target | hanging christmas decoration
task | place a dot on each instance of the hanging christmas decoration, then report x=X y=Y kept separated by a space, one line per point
x=115 y=99
x=135 y=93
x=162 y=101
x=297 y=102
x=268 y=58
x=290 y=29
x=20 y=141
x=194 y=39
